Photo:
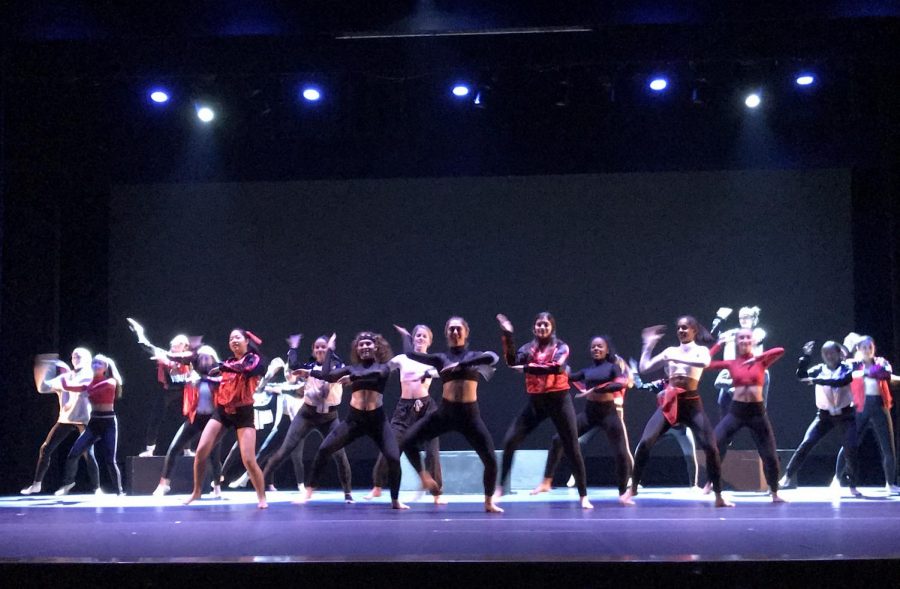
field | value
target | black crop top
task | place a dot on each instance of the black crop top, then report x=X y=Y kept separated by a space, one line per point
x=470 y=364
x=602 y=372
x=366 y=376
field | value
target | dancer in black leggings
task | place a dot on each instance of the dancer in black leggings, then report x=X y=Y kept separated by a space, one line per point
x=599 y=383
x=747 y=408
x=368 y=374
x=459 y=369
x=102 y=391
x=318 y=412
x=543 y=360
x=680 y=402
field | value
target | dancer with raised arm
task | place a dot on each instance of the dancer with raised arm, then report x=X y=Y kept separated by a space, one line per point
x=414 y=404
x=543 y=360
x=318 y=412
x=234 y=408
x=748 y=377
x=74 y=411
x=748 y=318
x=102 y=391
x=680 y=402
x=600 y=383
x=831 y=379
x=459 y=369
x=368 y=374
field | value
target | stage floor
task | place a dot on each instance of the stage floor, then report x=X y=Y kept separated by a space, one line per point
x=667 y=525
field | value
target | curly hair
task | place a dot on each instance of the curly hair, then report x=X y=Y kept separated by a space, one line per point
x=383 y=351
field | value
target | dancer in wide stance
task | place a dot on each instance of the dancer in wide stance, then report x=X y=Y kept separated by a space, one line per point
x=680 y=402
x=368 y=373
x=234 y=408
x=600 y=383
x=459 y=369
x=414 y=404
x=746 y=409
x=74 y=411
x=543 y=360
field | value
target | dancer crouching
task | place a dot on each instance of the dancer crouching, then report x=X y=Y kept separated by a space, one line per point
x=234 y=408
x=680 y=402
x=459 y=369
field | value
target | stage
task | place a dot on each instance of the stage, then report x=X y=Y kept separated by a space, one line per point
x=675 y=529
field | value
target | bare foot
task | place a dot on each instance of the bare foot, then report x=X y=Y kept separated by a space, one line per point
x=398 y=505
x=440 y=500
x=625 y=499
x=375 y=492
x=428 y=483
x=262 y=504
x=585 y=503
x=544 y=487
x=776 y=498
x=498 y=493
x=722 y=502
x=490 y=507
x=193 y=497
x=707 y=488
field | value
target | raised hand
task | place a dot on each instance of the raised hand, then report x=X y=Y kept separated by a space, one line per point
x=331 y=341
x=402 y=331
x=808 y=347
x=505 y=323
x=653 y=334
x=293 y=340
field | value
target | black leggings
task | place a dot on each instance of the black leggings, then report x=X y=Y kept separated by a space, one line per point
x=559 y=408
x=597 y=416
x=166 y=403
x=103 y=428
x=754 y=417
x=185 y=435
x=464 y=418
x=56 y=435
x=307 y=421
x=690 y=414
x=361 y=423
x=407 y=413
x=876 y=416
x=823 y=423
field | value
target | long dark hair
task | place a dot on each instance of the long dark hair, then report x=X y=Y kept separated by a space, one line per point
x=251 y=345
x=547 y=315
x=703 y=337
x=383 y=351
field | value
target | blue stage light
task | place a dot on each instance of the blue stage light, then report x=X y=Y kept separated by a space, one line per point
x=460 y=90
x=805 y=80
x=659 y=84
x=159 y=96
x=311 y=94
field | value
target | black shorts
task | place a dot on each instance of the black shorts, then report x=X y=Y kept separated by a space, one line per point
x=242 y=417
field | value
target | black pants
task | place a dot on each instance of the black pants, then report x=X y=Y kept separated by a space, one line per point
x=597 y=416
x=57 y=434
x=185 y=435
x=166 y=404
x=464 y=418
x=307 y=421
x=407 y=413
x=754 y=417
x=559 y=408
x=103 y=428
x=690 y=414
x=824 y=422
x=361 y=423
x=878 y=417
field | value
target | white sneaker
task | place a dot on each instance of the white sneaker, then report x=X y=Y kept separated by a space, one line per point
x=892 y=489
x=161 y=490
x=148 y=452
x=188 y=452
x=31 y=489
x=571 y=482
x=99 y=491
x=241 y=481
x=64 y=490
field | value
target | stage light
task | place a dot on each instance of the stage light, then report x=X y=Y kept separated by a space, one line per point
x=159 y=96
x=752 y=100
x=659 y=84
x=205 y=114
x=805 y=80
x=311 y=94
x=460 y=91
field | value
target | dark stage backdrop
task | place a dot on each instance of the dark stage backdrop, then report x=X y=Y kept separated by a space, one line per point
x=605 y=253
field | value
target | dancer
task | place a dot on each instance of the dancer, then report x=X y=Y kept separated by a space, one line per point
x=234 y=408
x=872 y=398
x=368 y=374
x=600 y=383
x=680 y=402
x=74 y=411
x=414 y=405
x=748 y=318
x=748 y=376
x=102 y=391
x=197 y=406
x=459 y=369
x=318 y=412
x=832 y=385
x=543 y=360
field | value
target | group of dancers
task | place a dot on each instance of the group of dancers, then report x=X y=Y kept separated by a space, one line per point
x=851 y=392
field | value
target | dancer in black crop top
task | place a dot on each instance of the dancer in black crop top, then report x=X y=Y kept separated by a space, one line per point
x=459 y=369
x=368 y=373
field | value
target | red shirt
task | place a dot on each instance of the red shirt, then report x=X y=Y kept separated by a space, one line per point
x=239 y=380
x=748 y=375
x=100 y=391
